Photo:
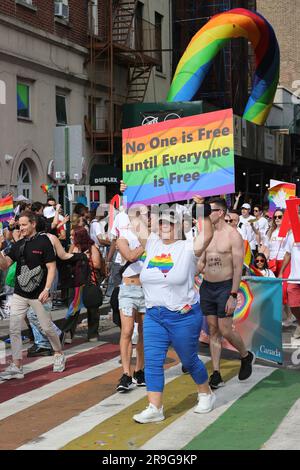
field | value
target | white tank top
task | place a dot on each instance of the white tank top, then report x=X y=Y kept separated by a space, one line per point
x=133 y=242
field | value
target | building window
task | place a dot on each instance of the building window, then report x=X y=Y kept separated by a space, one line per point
x=24 y=181
x=23 y=100
x=61 y=110
x=158 y=40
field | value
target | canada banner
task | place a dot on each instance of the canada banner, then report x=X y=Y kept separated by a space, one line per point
x=257 y=318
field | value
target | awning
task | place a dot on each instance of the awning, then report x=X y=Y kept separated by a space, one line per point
x=105 y=175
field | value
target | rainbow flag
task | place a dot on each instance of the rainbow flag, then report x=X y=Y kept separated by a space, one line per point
x=279 y=194
x=77 y=304
x=46 y=187
x=253 y=271
x=248 y=254
x=174 y=160
x=6 y=208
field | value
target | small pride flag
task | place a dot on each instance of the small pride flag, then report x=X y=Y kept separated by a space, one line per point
x=254 y=271
x=46 y=187
x=279 y=193
x=248 y=254
x=6 y=208
x=76 y=304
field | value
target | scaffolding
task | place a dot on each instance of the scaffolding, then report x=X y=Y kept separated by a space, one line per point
x=127 y=41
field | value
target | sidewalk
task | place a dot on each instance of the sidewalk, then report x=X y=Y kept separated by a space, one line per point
x=58 y=317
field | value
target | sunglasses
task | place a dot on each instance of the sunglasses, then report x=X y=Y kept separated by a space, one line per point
x=278 y=217
x=228 y=221
x=259 y=260
x=215 y=210
x=256 y=210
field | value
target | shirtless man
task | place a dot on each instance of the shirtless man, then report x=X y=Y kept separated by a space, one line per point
x=223 y=262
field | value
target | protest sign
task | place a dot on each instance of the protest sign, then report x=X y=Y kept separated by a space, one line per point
x=174 y=160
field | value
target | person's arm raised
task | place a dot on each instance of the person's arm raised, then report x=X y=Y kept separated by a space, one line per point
x=206 y=232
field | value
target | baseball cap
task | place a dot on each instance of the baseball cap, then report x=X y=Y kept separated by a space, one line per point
x=246 y=206
x=171 y=217
x=49 y=212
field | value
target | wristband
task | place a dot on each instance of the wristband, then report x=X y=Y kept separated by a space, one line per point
x=47 y=289
x=233 y=294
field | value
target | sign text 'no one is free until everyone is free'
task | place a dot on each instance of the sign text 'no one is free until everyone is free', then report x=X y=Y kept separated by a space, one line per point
x=174 y=160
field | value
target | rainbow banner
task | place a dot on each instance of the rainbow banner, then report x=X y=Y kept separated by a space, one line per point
x=258 y=317
x=174 y=160
x=6 y=208
x=279 y=193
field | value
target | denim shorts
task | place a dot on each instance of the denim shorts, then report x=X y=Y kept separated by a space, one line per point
x=131 y=297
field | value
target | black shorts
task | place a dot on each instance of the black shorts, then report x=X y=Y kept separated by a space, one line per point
x=214 y=296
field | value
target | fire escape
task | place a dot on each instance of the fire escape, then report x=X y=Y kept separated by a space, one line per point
x=128 y=42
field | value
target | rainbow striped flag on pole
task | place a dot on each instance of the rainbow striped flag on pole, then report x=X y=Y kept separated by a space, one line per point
x=6 y=208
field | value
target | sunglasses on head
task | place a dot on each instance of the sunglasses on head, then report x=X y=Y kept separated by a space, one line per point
x=278 y=217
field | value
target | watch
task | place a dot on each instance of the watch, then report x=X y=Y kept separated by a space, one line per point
x=47 y=289
x=233 y=294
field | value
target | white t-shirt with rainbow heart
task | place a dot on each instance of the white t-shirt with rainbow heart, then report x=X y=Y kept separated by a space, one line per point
x=168 y=274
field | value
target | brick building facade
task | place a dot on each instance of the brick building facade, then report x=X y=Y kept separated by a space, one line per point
x=284 y=17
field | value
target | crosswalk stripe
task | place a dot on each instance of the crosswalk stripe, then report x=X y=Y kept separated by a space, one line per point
x=252 y=420
x=75 y=363
x=39 y=363
x=106 y=408
x=286 y=437
x=179 y=433
x=121 y=432
x=23 y=401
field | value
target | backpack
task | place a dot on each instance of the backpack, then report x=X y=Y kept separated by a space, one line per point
x=75 y=271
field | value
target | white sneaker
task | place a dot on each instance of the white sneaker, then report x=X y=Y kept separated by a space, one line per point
x=12 y=372
x=296 y=334
x=206 y=402
x=59 y=364
x=150 y=415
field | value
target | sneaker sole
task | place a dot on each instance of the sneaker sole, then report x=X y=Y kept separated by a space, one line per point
x=18 y=377
x=124 y=390
x=134 y=381
x=204 y=411
x=155 y=420
x=215 y=387
x=252 y=362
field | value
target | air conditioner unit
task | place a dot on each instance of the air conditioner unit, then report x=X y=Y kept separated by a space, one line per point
x=61 y=10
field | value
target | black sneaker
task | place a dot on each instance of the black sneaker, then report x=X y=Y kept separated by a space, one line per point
x=246 y=366
x=215 y=380
x=139 y=378
x=125 y=383
x=184 y=370
x=37 y=351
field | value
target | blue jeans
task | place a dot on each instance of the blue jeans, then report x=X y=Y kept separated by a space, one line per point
x=163 y=327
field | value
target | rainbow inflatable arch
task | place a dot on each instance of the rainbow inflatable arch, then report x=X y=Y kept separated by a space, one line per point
x=210 y=39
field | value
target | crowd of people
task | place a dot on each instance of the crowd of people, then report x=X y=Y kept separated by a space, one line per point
x=148 y=261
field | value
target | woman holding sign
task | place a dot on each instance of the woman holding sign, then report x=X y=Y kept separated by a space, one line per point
x=173 y=314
